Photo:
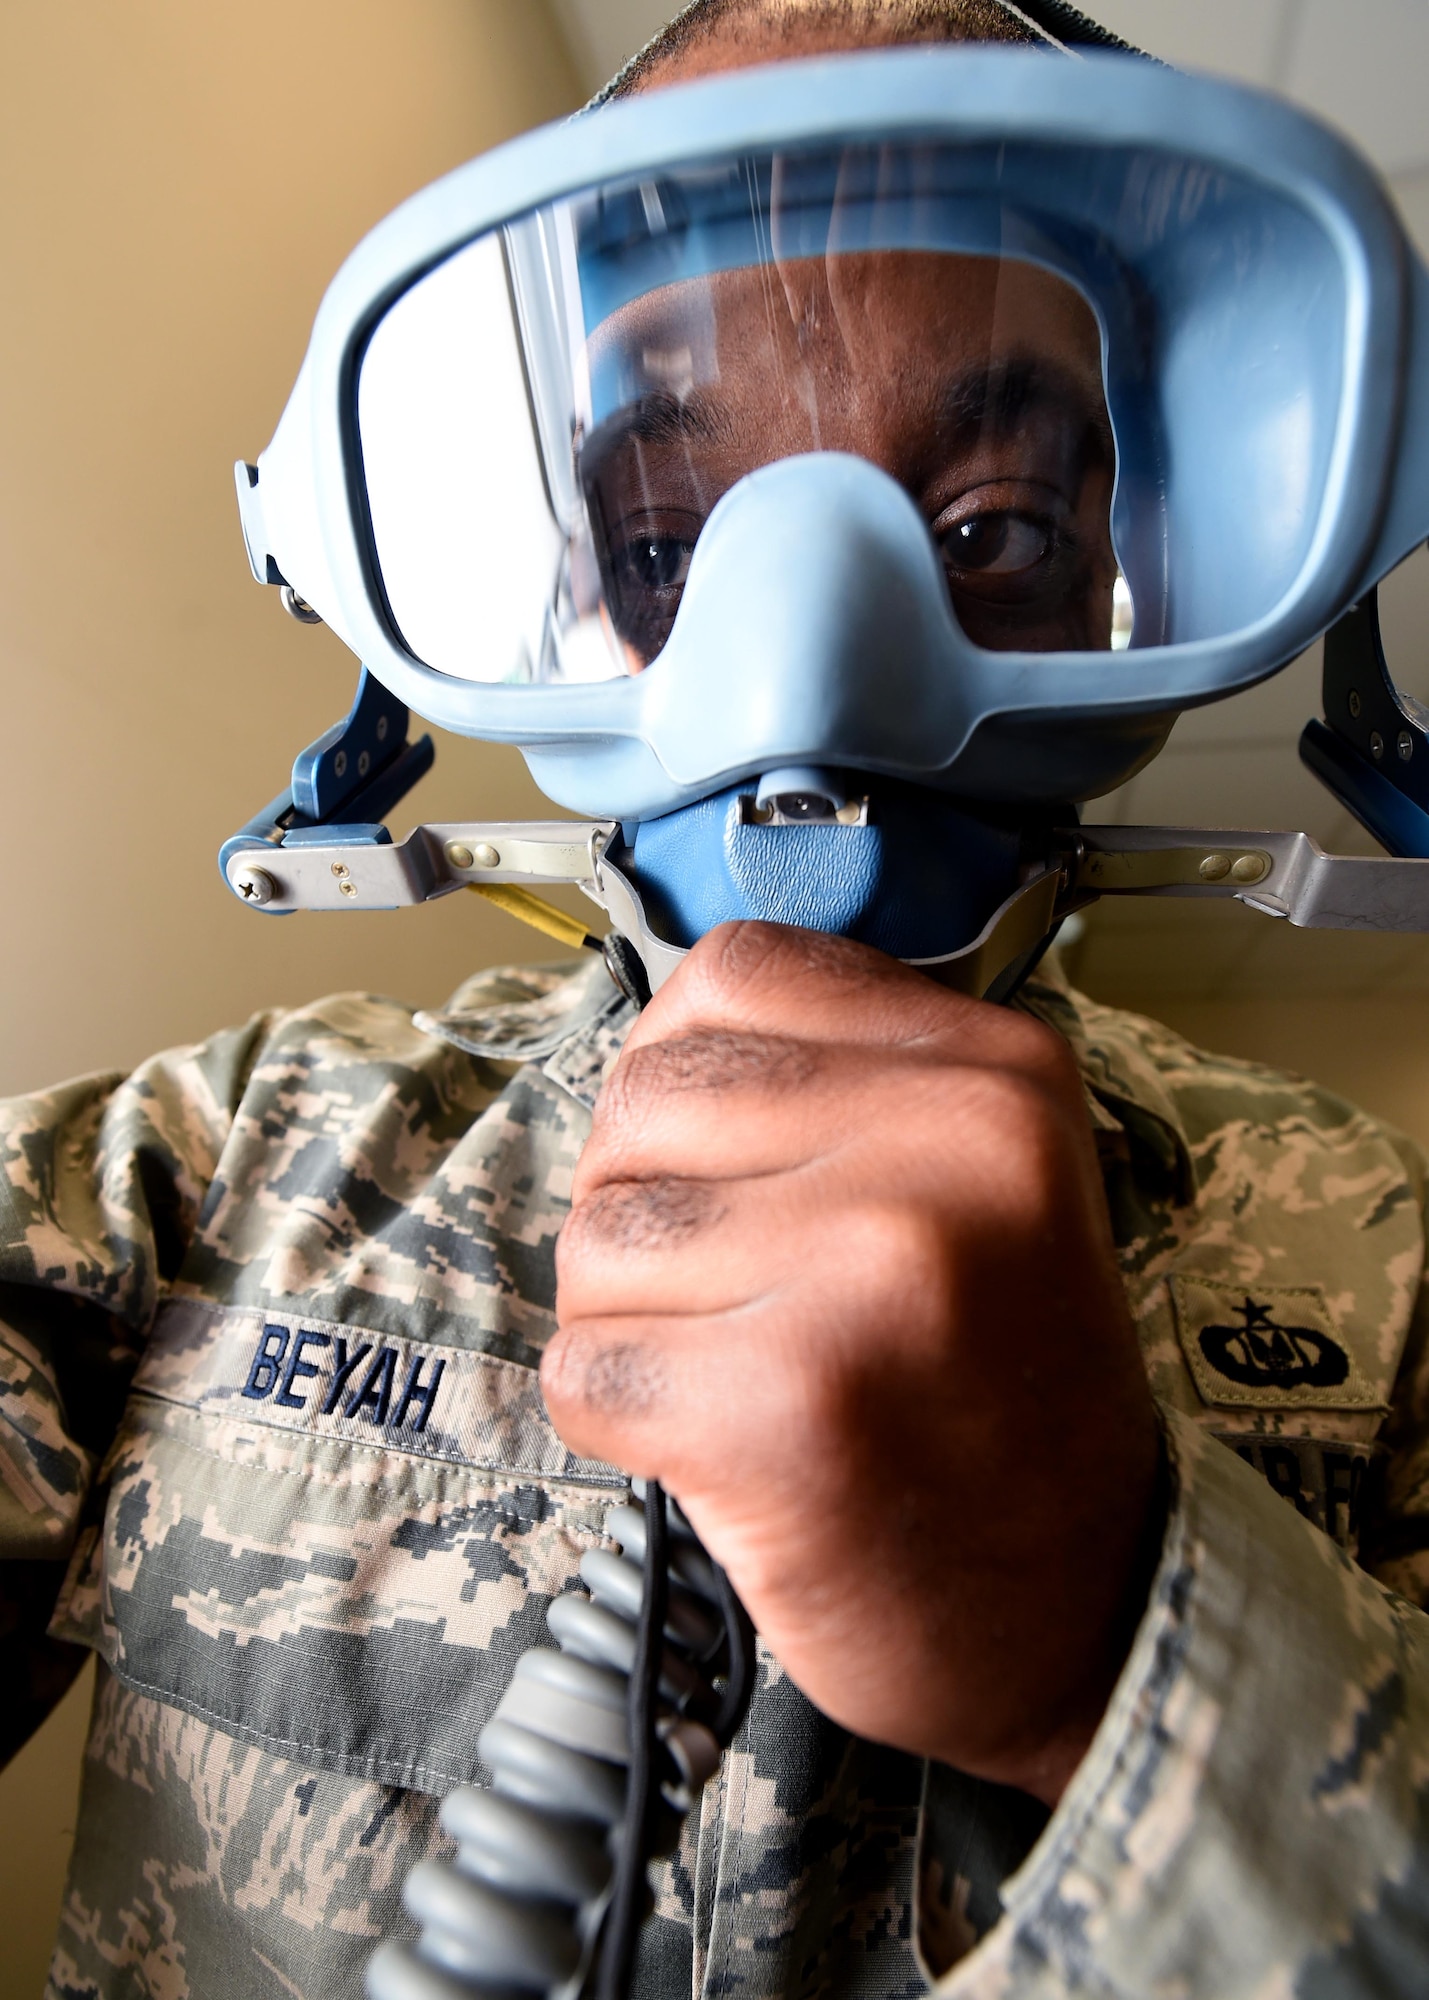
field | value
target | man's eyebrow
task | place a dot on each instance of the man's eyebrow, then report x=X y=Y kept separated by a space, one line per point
x=661 y=418
x=1002 y=397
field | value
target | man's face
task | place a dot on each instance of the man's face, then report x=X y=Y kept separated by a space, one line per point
x=974 y=381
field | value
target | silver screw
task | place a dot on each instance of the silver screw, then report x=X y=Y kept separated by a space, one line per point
x=339 y=764
x=486 y=856
x=1215 y=867
x=339 y=868
x=364 y=764
x=1376 y=744
x=348 y=888
x=458 y=854
x=1404 y=744
x=381 y=729
x=1355 y=704
x=255 y=885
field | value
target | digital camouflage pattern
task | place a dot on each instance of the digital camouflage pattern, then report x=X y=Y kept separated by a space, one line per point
x=271 y=1446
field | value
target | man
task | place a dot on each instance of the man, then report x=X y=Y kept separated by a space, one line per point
x=934 y=1316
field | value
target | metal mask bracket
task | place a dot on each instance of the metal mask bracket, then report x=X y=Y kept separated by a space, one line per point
x=350 y=778
x=321 y=844
x=1372 y=749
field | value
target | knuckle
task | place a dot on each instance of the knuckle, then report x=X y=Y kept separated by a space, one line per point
x=621 y=1095
x=590 y=1375
x=1016 y=1129
x=885 y=1282
x=1012 y=1103
x=640 y=1215
x=997 y=1104
x=560 y=1371
x=1041 y=1051
x=904 y=1249
x=736 y=961
x=827 y=1395
x=733 y=949
x=734 y=957
x=703 y=1060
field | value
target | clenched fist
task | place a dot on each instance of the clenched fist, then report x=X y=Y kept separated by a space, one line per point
x=839 y=1273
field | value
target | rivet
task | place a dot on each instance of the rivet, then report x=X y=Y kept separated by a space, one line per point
x=339 y=868
x=459 y=854
x=1355 y=704
x=1376 y=744
x=1404 y=744
x=348 y=888
x=1248 y=868
x=298 y=607
x=255 y=885
x=339 y=764
x=486 y=856
x=1215 y=867
x=364 y=764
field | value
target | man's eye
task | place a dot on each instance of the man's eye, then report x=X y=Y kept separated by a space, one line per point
x=997 y=544
x=655 y=562
x=645 y=579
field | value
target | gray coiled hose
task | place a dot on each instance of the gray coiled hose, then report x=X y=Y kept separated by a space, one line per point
x=596 y=1753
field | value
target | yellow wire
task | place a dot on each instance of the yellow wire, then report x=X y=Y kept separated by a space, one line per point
x=536 y=911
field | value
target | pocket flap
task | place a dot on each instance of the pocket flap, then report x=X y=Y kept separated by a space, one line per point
x=319 y=1566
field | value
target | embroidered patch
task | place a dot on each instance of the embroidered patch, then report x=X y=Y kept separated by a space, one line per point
x=290 y=1372
x=1266 y=1347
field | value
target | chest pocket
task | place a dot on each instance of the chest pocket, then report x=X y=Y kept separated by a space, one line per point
x=331 y=1542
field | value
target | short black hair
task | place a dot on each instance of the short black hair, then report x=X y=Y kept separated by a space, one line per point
x=1028 y=22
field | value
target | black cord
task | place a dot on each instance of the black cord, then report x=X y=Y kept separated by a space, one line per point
x=621 y=1933
x=739 y=1681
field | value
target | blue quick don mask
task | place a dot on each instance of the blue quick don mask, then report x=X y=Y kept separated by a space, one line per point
x=831 y=475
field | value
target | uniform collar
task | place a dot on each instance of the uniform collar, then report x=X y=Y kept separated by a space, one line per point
x=571 y=1019
x=1133 y=1113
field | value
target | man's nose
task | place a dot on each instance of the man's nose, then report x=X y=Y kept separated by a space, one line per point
x=814 y=627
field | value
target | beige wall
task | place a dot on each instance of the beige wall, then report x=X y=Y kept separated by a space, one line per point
x=180 y=180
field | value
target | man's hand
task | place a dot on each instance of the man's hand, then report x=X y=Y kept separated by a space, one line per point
x=839 y=1273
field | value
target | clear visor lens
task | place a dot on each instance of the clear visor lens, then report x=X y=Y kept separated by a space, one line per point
x=549 y=418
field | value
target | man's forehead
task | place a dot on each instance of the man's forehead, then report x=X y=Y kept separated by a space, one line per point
x=985 y=304
x=743 y=36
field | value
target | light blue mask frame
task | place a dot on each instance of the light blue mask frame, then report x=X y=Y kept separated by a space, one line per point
x=1007 y=725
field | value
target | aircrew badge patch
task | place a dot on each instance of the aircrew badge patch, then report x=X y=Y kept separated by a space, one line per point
x=1266 y=1347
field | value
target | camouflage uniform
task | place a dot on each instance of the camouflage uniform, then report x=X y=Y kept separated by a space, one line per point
x=310 y=1536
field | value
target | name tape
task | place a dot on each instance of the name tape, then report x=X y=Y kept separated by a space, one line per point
x=327 y=1379
x=280 y=1364
x=1324 y=1482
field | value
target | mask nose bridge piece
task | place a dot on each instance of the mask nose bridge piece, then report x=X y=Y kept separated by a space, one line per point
x=815 y=629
